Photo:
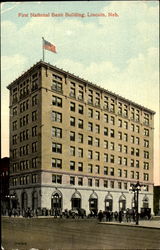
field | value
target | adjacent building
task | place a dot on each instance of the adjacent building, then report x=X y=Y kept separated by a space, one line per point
x=4 y=173
x=74 y=144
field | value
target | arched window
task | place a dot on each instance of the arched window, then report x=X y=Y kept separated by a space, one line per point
x=76 y=200
x=34 y=200
x=56 y=201
x=145 y=202
x=108 y=203
x=93 y=203
x=24 y=199
x=122 y=202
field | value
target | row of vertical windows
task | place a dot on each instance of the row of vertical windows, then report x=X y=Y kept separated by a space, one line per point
x=24 y=180
x=24 y=165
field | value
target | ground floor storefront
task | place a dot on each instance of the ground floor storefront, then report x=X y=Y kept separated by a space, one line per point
x=91 y=200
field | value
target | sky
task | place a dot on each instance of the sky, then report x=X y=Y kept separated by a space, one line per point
x=117 y=49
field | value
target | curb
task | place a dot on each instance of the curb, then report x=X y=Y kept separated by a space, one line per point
x=128 y=225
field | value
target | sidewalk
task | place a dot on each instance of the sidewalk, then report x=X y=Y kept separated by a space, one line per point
x=142 y=223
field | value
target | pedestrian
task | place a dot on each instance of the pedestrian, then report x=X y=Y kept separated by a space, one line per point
x=115 y=215
x=120 y=216
x=100 y=216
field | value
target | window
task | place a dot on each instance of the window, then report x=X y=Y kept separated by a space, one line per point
x=90 y=182
x=125 y=137
x=72 y=90
x=80 y=181
x=34 y=162
x=56 y=101
x=14 y=139
x=137 y=152
x=34 y=131
x=72 y=121
x=137 y=175
x=112 y=171
x=146 y=132
x=112 y=132
x=120 y=135
x=56 y=117
x=96 y=182
x=106 y=144
x=119 y=147
x=146 y=165
x=14 y=125
x=90 y=113
x=106 y=102
x=105 y=183
x=56 y=132
x=57 y=86
x=97 y=142
x=56 y=147
x=15 y=111
x=125 y=185
x=57 y=179
x=90 y=154
x=132 y=127
x=97 y=102
x=72 y=165
x=56 y=163
x=125 y=125
x=112 y=108
x=105 y=157
x=112 y=145
x=90 y=140
x=146 y=177
x=80 y=166
x=132 y=151
x=105 y=170
x=119 y=160
x=132 y=139
x=34 y=100
x=146 y=143
x=112 y=120
x=105 y=131
x=72 y=180
x=125 y=149
x=90 y=126
x=80 y=109
x=72 y=151
x=137 y=129
x=132 y=174
x=80 y=138
x=97 y=128
x=97 y=115
x=125 y=173
x=137 y=140
x=34 y=147
x=119 y=172
x=80 y=152
x=105 y=118
x=90 y=97
x=119 y=123
x=119 y=185
x=112 y=158
x=90 y=168
x=97 y=156
x=125 y=161
x=146 y=154
x=72 y=106
x=34 y=116
x=97 y=169
x=111 y=184
x=80 y=92
x=72 y=136
x=132 y=163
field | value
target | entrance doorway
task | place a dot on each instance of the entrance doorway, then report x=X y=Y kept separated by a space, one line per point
x=122 y=203
x=24 y=199
x=76 y=201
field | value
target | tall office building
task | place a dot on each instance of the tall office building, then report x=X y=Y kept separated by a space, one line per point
x=74 y=144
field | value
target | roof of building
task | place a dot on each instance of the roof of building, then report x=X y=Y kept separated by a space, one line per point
x=48 y=65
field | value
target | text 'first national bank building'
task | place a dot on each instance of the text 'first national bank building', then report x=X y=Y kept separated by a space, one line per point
x=74 y=144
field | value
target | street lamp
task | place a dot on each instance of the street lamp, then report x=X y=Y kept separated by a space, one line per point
x=135 y=188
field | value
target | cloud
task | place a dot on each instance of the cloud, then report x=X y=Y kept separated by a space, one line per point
x=4 y=10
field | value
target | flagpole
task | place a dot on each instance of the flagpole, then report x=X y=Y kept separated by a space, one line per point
x=43 y=48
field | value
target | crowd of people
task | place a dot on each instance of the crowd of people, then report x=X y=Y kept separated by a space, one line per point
x=123 y=215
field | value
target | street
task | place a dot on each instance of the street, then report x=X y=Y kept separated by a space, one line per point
x=58 y=234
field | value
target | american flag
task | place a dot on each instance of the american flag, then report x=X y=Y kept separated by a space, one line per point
x=49 y=46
